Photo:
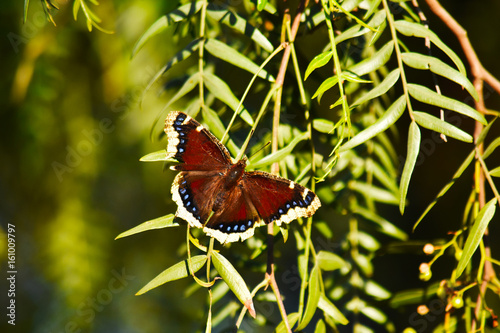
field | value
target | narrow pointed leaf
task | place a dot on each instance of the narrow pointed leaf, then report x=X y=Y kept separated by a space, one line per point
x=158 y=223
x=280 y=154
x=217 y=128
x=433 y=123
x=380 y=89
x=313 y=296
x=373 y=192
x=238 y=23
x=411 y=158
x=330 y=309
x=387 y=120
x=374 y=314
x=357 y=30
x=376 y=61
x=418 y=30
x=232 y=56
x=327 y=84
x=323 y=125
x=329 y=261
x=160 y=155
x=234 y=280
x=385 y=226
x=319 y=61
x=495 y=172
x=222 y=91
x=425 y=95
x=476 y=234
x=175 y=272
x=165 y=21
x=420 y=61
x=292 y=319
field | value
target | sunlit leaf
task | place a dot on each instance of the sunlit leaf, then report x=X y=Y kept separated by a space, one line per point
x=330 y=309
x=433 y=123
x=420 y=61
x=385 y=226
x=217 y=128
x=425 y=95
x=160 y=155
x=374 y=62
x=221 y=90
x=312 y=298
x=280 y=154
x=374 y=314
x=413 y=149
x=495 y=172
x=380 y=88
x=329 y=261
x=476 y=234
x=158 y=223
x=177 y=15
x=232 y=56
x=327 y=84
x=175 y=272
x=238 y=23
x=375 y=290
x=418 y=30
x=323 y=125
x=387 y=120
x=319 y=61
x=292 y=319
x=233 y=280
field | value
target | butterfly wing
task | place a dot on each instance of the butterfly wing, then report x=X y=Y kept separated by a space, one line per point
x=203 y=163
x=277 y=199
x=261 y=198
x=193 y=145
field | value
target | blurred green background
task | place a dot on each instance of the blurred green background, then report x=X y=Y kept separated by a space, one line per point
x=72 y=133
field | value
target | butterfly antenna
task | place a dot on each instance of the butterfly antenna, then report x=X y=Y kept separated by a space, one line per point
x=264 y=146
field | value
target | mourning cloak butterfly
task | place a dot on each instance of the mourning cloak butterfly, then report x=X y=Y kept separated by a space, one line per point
x=209 y=181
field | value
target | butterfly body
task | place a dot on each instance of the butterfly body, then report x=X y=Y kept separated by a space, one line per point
x=218 y=195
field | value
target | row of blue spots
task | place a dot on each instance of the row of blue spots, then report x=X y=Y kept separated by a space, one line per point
x=237 y=227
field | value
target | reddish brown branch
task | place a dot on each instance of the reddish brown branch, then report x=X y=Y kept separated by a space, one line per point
x=480 y=75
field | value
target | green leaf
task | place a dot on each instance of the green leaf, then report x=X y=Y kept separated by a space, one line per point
x=177 y=15
x=476 y=234
x=411 y=158
x=353 y=77
x=420 y=61
x=375 y=290
x=435 y=124
x=158 y=223
x=292 y=319
x=331 y=310
x=373 y=192
x=374 y=62
x=233 y=280
x=319 y=61
x=238 y=23
x=445 y=189
x=280 y=154
x=495 y=172
x=374 y=314
x=387 y=120
x=313 y=296
x=232 y=56
x=418 y=30
x=175 y=272
x=329 y=261
x=323 y=125
x=357 y=30
x=385 y=226
x=425 y=95
x=222 y=91
x=491 y=148
x=160 y=155
x=320 y=327
x=327 y=84
x=379 y=89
